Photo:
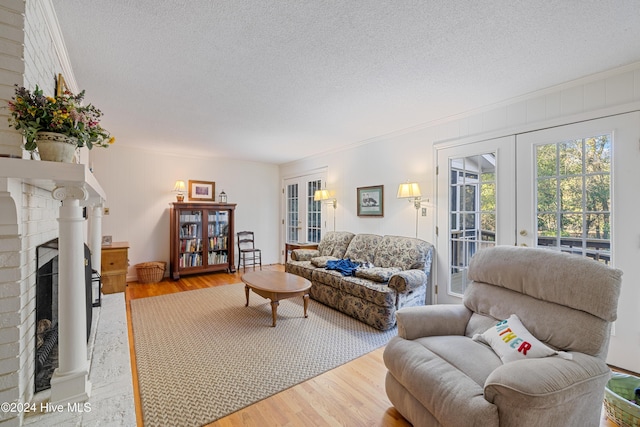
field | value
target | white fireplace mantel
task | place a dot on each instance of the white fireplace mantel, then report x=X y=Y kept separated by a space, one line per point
x=74 y=186
x=49 y=175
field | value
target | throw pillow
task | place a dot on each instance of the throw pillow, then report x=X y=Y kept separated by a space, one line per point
x=321 y=261
x=377 y=274
x=510 y=340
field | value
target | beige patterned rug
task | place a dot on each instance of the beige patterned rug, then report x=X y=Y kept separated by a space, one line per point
x=202 y=354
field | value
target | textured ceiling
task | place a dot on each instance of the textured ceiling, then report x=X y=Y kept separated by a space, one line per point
x=278 y=80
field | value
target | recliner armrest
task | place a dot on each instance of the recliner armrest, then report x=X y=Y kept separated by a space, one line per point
x=432 y=320
x=547 y=382
x=304 y=254
x=408 y=280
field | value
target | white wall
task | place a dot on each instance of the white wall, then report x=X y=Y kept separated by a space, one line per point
x=138 y=184
x=383 y=161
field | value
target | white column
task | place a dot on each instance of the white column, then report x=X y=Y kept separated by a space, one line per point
x=95 y=237
x=70 y=381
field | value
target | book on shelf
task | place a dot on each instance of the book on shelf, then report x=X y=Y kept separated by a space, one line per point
x=190 y=230
x=218 y=258
x=190 y=245
x=195 y=216
x=190 y=260
x=218 y=243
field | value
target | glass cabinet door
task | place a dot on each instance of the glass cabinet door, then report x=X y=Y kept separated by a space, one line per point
x=218 y=235
x=190 y=238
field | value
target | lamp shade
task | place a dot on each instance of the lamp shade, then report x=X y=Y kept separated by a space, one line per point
x=321 y=195
x=179 y=187
x=408 y=189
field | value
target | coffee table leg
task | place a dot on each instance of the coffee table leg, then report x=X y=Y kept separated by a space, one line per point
x=274 y=312
x=246 y=292
x=305 y=298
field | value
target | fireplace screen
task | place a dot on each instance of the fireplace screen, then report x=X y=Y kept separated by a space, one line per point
x=46 y=337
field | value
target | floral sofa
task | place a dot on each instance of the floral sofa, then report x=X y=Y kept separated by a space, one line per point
x=397 y=274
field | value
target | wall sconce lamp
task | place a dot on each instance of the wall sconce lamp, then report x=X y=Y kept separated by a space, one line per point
x=411 y=192
x=323 y=196
x=180 y=188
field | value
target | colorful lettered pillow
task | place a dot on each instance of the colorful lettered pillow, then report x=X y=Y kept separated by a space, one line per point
x=510 y=340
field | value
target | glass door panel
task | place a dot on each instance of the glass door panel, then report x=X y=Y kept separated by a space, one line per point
x=573 y=196
x=293 y=221
x=190 y=238
x=471 y=190
x=218 y=234
x=314 y=212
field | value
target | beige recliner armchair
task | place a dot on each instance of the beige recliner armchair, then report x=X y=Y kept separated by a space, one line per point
x=442 y=370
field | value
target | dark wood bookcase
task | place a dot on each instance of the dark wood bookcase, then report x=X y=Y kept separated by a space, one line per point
x=202 y=238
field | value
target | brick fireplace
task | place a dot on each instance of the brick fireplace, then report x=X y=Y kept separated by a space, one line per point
x=33 y=196
x=40 y=201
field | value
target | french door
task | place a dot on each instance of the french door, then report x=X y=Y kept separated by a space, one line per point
x=303 y=215
x=570 y=188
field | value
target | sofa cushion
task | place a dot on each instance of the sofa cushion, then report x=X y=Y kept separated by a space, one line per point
x=335 y=243
x=377 y=274
x=300 y=268
x=511 y=340
x=304 y=254
x=362 y=248
x=404 y=252
x=374 y=292
x=321 y=261
x=330 y=278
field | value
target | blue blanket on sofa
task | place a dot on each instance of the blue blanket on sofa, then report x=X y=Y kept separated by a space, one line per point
x=346 y=267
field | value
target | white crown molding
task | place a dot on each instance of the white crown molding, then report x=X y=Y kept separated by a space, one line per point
x=51 y=20
x=635 y=66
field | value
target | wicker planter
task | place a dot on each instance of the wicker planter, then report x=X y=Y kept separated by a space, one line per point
x=618 y=394
x=151 y=272
x=56 y=147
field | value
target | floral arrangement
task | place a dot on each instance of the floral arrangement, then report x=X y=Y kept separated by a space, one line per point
x=65 y=114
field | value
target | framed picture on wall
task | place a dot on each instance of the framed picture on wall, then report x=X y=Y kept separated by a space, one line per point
x=371 y=200
x=202 y=191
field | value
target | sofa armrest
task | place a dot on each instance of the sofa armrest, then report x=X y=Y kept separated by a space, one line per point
x=432 y=320
x=304 y=254
x=408 y=280
x=547 y=383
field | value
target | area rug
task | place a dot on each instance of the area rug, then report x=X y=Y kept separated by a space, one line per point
x=202 y=354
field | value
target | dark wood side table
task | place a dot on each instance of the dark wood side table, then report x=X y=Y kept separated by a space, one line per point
x=289 y=246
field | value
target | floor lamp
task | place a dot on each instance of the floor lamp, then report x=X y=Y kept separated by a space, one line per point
x=323 y=196
x=411 y=192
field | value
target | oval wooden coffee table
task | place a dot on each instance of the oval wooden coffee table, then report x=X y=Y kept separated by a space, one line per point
x=276 y=285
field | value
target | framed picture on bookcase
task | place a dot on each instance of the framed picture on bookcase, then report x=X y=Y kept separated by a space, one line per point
x=202 y=191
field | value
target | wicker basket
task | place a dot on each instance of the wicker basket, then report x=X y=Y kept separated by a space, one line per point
x=618 y=393
x=151 y=272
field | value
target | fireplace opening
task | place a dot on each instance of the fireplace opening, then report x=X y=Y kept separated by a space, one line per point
x=46 y=336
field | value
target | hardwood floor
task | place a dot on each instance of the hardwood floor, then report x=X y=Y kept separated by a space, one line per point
x=352 y=394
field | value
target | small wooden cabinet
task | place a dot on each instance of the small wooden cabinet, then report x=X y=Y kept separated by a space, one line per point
x=202 y=238
x=115 y=263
